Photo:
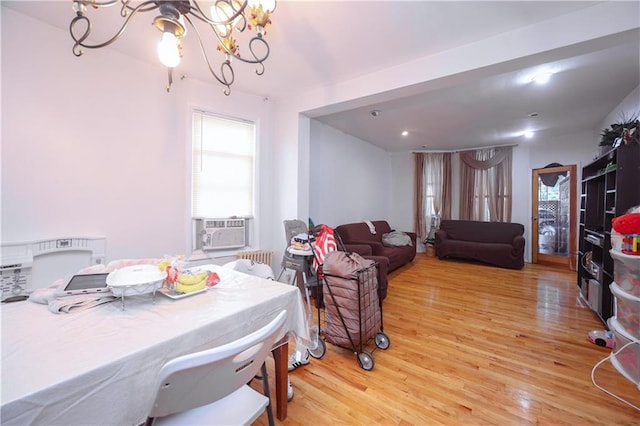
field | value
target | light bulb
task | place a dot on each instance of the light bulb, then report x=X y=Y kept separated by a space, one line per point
x=168 y=51
x=219 y=12
x=79 y=7
x=543 y=77
x=268 y=5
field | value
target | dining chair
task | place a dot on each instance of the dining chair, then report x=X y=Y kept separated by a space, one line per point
x=263 y=271
x=251 y=267
x=210 y=387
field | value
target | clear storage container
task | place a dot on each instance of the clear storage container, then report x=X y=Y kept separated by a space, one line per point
x=627 y=360
x=626 y=310
x=626 y=272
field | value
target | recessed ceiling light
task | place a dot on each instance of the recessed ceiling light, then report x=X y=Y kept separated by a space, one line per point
x=405 y=133
x=542 y=77
x=375 y=113
x=532 y=114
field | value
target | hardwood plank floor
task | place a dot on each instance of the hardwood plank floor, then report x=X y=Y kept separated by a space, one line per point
x=471 y=344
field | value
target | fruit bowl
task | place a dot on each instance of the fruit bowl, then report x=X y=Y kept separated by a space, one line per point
x=136 y=279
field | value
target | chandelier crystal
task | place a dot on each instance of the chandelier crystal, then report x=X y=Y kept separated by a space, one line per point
x=225 y=18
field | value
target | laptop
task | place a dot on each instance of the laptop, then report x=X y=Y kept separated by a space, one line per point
x=85 y=284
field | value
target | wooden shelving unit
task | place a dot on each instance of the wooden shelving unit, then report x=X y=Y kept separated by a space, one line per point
x=610 y=187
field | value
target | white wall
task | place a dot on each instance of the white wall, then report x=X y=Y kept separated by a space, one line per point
x=95 y=146
x=629 y=107
x=402 y=200
x=350 y=179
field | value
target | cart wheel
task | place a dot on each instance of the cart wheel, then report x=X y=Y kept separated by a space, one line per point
x=366 y=361
x=382 y=341
x=319 y=351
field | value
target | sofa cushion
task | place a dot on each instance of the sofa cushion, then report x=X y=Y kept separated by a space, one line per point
x=360 y=232
x=397 y=256
x=362 y=249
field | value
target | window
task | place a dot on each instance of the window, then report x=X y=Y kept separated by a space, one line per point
x=223 y=163
x=432 y=192
x=485 y=184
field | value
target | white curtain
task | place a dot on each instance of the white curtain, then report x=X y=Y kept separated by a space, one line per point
x=434 y=183
x=486 y=184
x=433 y=190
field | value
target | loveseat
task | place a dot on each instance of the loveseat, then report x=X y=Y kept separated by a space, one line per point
x=359 y=234
x=496 y=243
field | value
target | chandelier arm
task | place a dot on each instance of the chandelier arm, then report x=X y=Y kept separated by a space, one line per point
x=170 y=77
x=223 y=46
x=226 y=65
x=238 y=13
x=124 y=11
x=257 y=60
x=221 y=43
x=223 y=79
x=79 y=41
x=92 y=3
x=239 y=27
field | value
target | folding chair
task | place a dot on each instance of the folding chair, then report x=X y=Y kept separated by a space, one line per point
x=209 y=387
x=251 y=268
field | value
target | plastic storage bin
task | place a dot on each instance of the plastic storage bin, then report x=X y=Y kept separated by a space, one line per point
x=627 y=310
x=627 y=360
x=626 y=272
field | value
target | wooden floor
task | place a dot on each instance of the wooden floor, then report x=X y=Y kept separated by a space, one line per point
x=471 y=344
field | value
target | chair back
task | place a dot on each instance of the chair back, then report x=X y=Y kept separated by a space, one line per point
x=294 y=227
x=250 y=267
x=201 y=378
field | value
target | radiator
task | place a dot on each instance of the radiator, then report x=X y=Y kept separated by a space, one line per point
x=259 y=256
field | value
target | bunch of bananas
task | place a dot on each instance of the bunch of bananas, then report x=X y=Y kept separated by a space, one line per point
x=164 y=264
x=188 y=283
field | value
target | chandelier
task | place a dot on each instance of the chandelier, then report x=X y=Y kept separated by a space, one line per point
x=223 y=18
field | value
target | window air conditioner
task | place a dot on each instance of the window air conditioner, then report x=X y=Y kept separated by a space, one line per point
x=215 y=234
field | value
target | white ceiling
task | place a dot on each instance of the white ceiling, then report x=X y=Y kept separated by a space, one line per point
x=320 y=43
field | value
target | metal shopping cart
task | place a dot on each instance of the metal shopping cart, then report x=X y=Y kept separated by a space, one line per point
x=348 y=293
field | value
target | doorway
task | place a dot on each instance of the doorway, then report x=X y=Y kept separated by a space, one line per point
x=553 y=216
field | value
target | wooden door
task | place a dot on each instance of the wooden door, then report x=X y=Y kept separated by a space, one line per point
x=553 y=216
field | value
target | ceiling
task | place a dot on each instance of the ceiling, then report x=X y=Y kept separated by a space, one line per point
x=321 y=43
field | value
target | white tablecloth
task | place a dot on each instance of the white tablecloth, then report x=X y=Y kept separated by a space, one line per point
x=99 y=366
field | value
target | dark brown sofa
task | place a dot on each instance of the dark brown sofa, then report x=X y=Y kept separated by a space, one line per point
x=359 y=234
x=496 y=243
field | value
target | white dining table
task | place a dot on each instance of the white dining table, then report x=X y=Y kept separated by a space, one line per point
x=100 y=365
